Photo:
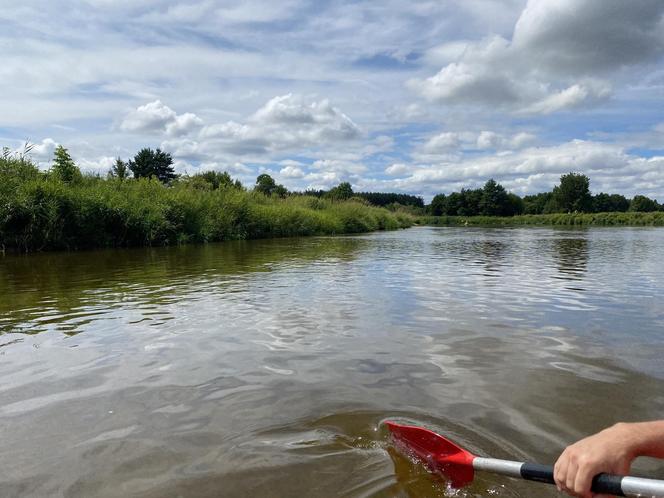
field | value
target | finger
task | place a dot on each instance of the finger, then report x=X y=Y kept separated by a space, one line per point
x=582 y=481
x=570 y=477
x=559 y=471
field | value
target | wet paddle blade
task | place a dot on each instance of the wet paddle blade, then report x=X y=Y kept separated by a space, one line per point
x=438 y=453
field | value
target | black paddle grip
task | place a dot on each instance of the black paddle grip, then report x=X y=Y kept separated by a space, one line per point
x=602 y=483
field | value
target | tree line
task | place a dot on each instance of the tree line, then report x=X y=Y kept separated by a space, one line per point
x=572 y=194
x=149 y=163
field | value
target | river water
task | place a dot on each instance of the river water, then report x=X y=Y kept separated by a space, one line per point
x=265 y=368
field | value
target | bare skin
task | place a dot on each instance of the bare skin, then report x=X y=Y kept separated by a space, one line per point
x=612 y=451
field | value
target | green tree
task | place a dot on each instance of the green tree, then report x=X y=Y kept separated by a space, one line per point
x=341 y=192
x=64 y=167
x=386 y=198
x=119 y=170
x=280 y=191
x=552 y=206
x=217 y=179
x=454 y=204
x=643 y=204
x=471 y=199
x=265 y=184
x=534 y=204
x=438 y=206
x=619 y=202
x=148 y=163
x=494 y=200
x=515 y=205
x=605 y=203
x=573 y=193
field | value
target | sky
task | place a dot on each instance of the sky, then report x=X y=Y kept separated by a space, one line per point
x=419 y=97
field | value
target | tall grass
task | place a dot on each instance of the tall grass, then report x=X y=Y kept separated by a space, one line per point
x=40 y=212
x=569 y=219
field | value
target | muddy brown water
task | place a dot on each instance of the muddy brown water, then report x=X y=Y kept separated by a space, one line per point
x=265 y=368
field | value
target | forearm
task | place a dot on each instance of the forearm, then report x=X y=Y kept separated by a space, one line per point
x=646 y=438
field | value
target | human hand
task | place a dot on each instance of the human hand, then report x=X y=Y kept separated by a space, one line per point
x=611 y=450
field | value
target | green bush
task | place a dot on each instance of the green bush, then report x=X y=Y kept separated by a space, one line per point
x=40 y=211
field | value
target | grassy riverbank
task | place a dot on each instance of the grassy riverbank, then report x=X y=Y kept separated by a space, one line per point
x=572 y=219
x=40 y=212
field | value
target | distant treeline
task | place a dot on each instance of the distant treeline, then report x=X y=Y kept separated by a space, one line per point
x=382 y=199
x=561 y=219
x=570 y=196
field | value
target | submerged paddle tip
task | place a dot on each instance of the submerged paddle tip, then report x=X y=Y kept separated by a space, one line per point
x=435 y=451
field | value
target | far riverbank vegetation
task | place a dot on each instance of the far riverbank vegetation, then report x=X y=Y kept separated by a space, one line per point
x=569 y=203
x=142 y=201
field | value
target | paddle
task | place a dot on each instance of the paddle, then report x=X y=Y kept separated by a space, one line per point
x=459 y=465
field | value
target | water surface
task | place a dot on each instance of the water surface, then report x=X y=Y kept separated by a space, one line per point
x=265 y=368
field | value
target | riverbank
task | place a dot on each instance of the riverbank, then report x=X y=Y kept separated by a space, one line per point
x=571 y=219
x=39 y=212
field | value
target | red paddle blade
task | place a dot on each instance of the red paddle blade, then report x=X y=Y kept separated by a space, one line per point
x=437 y=452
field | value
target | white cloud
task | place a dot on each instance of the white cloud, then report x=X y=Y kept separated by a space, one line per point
x=496 y=66
x=337 y=166
x=609 y=167
x=44 y=150
x=100 y=165
x=448 y=146
x=521 y=139
x=156 y=117
x=559 y=53
x=323 y=180
x=294 y=118
x=291 y=172
x=442 y=142
x=488 y=140
x=569 y=98
x=585 y=37
x=382 y=143
x=446 y=52
x=285 y=123
x=398 y=169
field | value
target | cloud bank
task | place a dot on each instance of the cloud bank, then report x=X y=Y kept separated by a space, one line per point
x=415 y=97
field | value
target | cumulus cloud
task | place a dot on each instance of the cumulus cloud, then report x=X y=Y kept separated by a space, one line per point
x=293 y=118
x=156 y=117
x=489 y=140
x=584 y=37
x=339 y=166
x=99 y=165
x=559 y=52
x=521 y=139
x=442 y=142
x=285 y=123
x=291 y=171
x=449 y=145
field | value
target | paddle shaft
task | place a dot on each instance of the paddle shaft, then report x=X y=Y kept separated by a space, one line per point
x=602 y=483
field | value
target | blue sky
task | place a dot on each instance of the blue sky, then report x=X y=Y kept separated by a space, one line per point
x=417 y=97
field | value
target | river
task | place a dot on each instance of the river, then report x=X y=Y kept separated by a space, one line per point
x=265 y=368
